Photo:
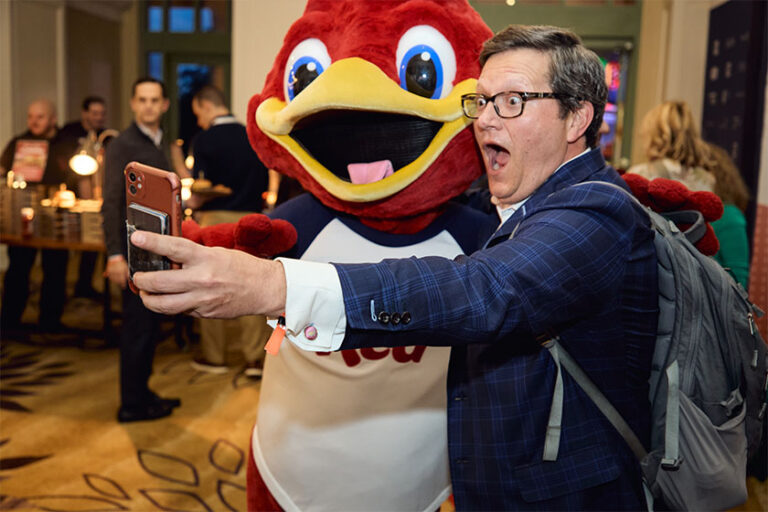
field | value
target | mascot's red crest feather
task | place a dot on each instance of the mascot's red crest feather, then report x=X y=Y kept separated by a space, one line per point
x=343 y=84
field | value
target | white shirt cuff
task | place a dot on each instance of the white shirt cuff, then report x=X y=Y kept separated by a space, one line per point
x=315 y=318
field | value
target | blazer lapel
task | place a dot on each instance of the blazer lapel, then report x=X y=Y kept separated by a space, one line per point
x=575 y=171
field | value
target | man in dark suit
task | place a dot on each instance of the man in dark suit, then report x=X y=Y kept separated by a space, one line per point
x=143 y=142
x=571 y=259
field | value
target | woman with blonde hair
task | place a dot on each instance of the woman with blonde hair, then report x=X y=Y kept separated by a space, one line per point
x=731 y=229
x=674 y=148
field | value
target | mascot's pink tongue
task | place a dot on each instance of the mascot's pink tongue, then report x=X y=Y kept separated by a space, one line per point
x=370 y=172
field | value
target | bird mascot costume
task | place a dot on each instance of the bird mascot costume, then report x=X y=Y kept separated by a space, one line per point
x=362 y=107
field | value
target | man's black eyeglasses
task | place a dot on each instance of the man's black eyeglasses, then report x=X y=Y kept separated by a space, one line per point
x=507 y=104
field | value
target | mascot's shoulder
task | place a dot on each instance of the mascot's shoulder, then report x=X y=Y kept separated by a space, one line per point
x=303 y=210
x=470 y=226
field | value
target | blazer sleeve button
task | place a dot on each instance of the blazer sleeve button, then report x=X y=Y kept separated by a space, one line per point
x=395 y=319
x=405 y=318
x=383 y=317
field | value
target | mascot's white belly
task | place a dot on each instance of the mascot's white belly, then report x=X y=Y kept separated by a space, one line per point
x=357 y=429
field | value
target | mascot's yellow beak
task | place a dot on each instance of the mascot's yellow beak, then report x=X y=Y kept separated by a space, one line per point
x=354 y=87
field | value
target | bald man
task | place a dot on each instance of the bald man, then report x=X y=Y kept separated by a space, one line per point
x=41 y=126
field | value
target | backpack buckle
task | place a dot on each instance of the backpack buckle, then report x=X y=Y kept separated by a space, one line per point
x=732 y=402
x=671 y=464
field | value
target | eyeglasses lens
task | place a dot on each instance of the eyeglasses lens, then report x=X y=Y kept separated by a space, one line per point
x=507 y=105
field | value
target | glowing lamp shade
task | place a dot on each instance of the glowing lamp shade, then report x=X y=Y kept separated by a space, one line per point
x=83 y=164
x=186 y=188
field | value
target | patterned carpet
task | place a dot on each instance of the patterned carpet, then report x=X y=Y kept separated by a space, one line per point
x=61 y=448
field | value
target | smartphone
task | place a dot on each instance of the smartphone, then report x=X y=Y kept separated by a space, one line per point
x=153 y=203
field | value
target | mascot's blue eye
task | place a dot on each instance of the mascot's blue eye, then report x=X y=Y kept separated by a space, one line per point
x=306 y=62
x=426 y=62
x=302 y=73
x=421 y=72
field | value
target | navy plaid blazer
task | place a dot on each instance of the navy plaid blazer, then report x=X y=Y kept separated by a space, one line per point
x=581 y=264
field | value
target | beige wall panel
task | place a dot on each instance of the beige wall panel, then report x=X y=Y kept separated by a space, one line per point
x=33 y=56
x=258 y=28
x=129 y=62
x=651 y=67
x=687 y=58
x=93 y=62
x=7 y=106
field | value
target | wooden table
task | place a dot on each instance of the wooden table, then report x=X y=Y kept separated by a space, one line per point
x=49 y=243
x=181 y=322
x=70 y=245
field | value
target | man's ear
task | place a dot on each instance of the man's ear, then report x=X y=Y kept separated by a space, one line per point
x=579 y=120
x=166 y=105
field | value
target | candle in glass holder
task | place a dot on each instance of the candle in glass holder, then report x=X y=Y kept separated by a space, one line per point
x=27 y=216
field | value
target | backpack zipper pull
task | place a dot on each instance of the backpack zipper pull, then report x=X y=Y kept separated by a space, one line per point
x=755 y=352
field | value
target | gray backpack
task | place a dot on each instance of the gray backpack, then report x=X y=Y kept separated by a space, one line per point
x=708 y=384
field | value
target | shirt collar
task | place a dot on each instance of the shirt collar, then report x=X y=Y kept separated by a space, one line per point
x=156 y=137
x=225 y=119
x=506 y=213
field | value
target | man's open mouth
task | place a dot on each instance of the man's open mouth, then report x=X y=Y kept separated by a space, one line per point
x=338 y=138
x=497 y=156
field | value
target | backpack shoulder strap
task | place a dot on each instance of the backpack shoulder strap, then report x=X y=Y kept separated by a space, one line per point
x=563 y=359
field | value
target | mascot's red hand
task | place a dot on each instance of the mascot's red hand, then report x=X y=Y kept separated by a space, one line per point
x=191 y=230
x=261 y=236
x=255 y=234
x=664 y=195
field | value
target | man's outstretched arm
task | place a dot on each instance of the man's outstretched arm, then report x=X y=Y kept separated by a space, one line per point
x=224 y=283
x=213 y=283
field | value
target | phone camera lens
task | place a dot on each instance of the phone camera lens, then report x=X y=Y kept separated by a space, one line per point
x=131 y=176
x=132 y=189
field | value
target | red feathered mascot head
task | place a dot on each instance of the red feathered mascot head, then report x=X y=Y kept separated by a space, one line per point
x=362 y=107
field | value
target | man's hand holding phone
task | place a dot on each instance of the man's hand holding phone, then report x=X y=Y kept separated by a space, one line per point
x=117 y=271
x=213 y=282
x=153 y=203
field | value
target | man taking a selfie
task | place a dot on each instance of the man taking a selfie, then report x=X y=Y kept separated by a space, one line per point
x=571 y=258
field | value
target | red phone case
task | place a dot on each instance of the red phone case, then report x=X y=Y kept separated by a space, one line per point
x=156 y=189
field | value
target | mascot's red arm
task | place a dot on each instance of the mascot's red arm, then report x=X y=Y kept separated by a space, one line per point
x=255 y=234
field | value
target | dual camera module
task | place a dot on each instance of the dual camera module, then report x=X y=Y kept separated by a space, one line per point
x=135 y=182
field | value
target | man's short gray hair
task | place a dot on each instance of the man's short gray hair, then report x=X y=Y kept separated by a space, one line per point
x=576 y=72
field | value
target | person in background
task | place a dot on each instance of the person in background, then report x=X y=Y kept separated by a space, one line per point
x=41 y=126
x=572 y=259
x=731 y=228
x=674 y=148
x=143 y=142
x=223 y=156
x=93 y=118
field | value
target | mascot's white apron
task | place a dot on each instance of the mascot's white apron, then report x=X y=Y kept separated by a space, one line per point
x=358 y=429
